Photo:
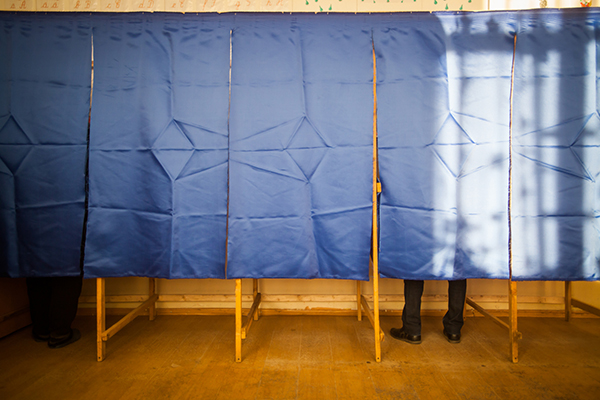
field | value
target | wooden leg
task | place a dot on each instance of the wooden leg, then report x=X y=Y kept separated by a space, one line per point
x=254 y=294
x=238 y=320
x=512 y=307
x=568 y=306
x=374 y=235
x=465 y=310
x=358 y=303
x=152 y=292
x=100 y=318
x=378 y=333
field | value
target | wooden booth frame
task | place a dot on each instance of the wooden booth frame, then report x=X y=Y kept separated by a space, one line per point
x=103 y=334
x=242 y=327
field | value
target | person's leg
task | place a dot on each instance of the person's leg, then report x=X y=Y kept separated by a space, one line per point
x=411 y=313
x=454 y=320
x=63 y=308
x=39 y=292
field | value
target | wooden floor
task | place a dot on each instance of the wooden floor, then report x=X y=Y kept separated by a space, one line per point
x=306 y=357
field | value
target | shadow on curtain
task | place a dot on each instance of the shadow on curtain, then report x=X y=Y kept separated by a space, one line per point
x=556 y=160
x=443 y=110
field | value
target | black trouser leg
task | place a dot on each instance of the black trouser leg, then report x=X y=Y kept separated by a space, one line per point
x=453 y=320
x=411 y=314
x=39 y=291
x=63 y=304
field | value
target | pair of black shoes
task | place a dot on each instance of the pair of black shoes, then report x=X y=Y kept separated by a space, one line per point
x=57 y=343
x=400 y=334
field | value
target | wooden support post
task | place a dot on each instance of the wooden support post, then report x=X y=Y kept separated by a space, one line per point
x=568 y=305
x=151 y=293
x=358 y=299
x=100 y=318
x=254 y=295
x=512 y=307
x=378 y=332
x=238 y=320
x=374 y=234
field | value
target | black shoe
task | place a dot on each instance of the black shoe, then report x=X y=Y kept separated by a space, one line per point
x=452 y=337
x=58 y=343
x=40 y=338
x=401 y=335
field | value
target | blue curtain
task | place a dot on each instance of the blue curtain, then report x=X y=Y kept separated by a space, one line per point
x=300 y=147
x=269 y=165
x=443 y=87
x=556 y=157
x=158 y=148
x=45 y=68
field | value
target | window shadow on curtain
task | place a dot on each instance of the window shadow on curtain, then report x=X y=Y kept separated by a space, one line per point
x=443 y=100
x=556 y=158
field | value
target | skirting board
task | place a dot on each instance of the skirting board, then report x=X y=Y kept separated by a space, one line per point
x=86 y=311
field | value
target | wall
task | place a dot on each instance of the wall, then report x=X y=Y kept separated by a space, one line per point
x=281 y=5
x=14 y=305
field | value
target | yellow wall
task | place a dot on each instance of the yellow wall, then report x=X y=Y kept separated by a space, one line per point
x=279 y=5
x=588 y=292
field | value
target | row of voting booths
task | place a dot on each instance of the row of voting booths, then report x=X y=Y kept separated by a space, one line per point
x=435 y=146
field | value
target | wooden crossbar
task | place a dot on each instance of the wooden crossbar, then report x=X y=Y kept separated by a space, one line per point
x=371 y=317
x=487 y=314
x=252 y=314
x=495 y=319
x=585 y=307
x=122 y=323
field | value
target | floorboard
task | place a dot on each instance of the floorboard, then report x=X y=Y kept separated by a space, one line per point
x=306 y=357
